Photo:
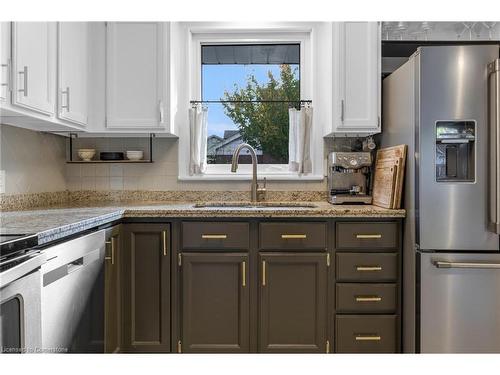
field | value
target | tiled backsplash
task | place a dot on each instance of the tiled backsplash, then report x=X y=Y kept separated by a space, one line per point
x=158 y=176
x=31 y=162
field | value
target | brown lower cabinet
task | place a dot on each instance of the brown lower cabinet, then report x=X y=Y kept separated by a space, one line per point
x=146 y=288
x=293 y=303
x=215 y=303
x=366 y=334
x=241 y=298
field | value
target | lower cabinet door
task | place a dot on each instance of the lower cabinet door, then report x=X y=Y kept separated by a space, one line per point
x=146 y=288
x=293 y=303
x=215 y=303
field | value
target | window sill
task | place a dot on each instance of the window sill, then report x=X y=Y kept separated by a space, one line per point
x=248 y=177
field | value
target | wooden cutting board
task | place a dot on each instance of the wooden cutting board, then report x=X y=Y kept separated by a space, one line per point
x=386 y=157
x=384 y=184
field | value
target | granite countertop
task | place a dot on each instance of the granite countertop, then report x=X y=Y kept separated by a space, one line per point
x=61 y=221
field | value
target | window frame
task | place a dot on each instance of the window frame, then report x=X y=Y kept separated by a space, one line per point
x=277 y=34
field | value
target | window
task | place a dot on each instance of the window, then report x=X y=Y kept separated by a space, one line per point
x=249 y=88
x=193 y=69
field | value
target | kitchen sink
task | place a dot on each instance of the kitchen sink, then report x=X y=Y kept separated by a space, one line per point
x=254 y=205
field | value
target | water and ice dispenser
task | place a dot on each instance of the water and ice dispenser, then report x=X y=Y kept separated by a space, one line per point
x=455 y=151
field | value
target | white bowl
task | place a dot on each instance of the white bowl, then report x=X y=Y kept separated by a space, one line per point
x=86 y=154
x=135 y=155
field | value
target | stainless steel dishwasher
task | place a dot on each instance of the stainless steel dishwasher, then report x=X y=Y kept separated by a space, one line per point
x=73 y=295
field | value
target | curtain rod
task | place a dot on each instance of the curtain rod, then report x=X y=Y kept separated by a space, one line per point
x=248 y=101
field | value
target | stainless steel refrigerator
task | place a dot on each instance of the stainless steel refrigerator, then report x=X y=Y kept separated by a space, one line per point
x=444 y=104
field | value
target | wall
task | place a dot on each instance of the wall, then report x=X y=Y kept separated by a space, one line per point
x=158 y=176
x=35 y=162
x=31 y=162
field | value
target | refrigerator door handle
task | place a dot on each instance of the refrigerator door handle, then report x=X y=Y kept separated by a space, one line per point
x=474 y=265
x=494 y=123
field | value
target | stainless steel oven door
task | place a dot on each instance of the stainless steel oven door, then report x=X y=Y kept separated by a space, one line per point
x=20 y=315
x=459 y=303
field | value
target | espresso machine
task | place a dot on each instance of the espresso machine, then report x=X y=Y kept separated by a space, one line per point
x=349 y=177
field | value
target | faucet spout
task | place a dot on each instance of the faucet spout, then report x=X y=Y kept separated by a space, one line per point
x=234 y=167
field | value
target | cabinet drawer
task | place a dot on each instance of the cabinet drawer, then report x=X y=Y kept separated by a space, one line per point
x=367 y=236
x=366 y=334
x=367 y=266
x=366 y=298
x=215 y=235
x=292 y=236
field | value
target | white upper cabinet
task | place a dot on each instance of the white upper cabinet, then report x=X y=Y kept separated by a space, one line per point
x=34 y=66
x=73 y=60
x=5 y=77
x=137 y=76
x=356 y=78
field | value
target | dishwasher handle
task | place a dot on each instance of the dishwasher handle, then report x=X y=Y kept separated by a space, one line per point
x=469 y=265
x=70 y=267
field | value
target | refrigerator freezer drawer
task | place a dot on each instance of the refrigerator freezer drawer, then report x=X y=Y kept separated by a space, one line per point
x=459 y=303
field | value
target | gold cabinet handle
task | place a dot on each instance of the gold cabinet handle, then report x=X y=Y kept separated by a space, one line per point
x=112 y=257
x=263 y=273
x=243 y=274
x=368 y=338
x=368 y=268
x=293 y=236
x=368 y=299
x=214 y=236
x=368 y=236
x=164 y=233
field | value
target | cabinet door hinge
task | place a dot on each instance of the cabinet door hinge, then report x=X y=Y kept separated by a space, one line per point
x=179 y=259
x=327 y=346
x=328 y=260
x=179 y=346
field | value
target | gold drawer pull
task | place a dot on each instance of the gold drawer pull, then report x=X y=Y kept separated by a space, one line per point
x=263 y=273
x=164 y=233
x=243 y=274
x=368 y=236
x=112 y=244
x=368 y=299
x=214 y=236
x=293 y=236
x=368 y=268
x=368 y=338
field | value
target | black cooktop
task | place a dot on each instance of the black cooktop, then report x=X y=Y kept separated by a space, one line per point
x=13 y=243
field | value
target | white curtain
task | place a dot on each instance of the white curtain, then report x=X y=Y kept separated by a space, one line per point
x=198 y=139
x=299 y=147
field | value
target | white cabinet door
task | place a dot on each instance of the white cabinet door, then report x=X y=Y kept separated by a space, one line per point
x=136 y=75
x=358 y=77
x=34 y=65
x=5 y=66
x=73 y=71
